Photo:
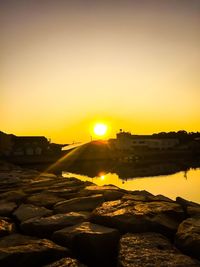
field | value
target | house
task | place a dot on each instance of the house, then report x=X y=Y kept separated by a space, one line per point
x=29 y=145
x=6 y=143
x=11 y=145
x=127 y=142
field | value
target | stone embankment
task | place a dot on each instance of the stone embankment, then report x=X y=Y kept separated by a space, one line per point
x=48 y=220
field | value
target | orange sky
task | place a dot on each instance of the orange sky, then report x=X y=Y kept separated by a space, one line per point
x=132 y=64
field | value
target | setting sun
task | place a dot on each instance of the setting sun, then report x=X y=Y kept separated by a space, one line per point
x=100 y=129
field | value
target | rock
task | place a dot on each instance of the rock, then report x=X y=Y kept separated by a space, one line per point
x=49 y=175
x=28 y=211
x=162 y=198
x=188 y=237
x=6 y=227
x=15 y=240
x=110 y=192
x=183 y=202
x=22 y=251
x=66 y=262
x=136 y=197
x=79 y=204
x=135 y=216
x=193 y=211
x=15 y=195
x=95 y=245
x=44 y=199
x=44 y=227
x=66 y=193
x=95 y=189
x=142 y=193
x=110 y=195
x=151 y=249
x=145 y=196
x=191 y=208
x=6 y=208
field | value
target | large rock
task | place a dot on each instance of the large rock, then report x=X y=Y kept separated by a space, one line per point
x=6 y=227
x=44 y=199
x=110 y=192
x=136 y=216
x=66 y=262
x=6 y=208
x=16 y=240
x=18 y=250
x=191 y=209
x=145 y=196
x=79 y=204
x=188 y=237
x=28 y=211
x=13 y=195
x=95 y=245
x=43 y=227
x=151 y=249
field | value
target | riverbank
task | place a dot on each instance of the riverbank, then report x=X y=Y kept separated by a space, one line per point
x=48 y=220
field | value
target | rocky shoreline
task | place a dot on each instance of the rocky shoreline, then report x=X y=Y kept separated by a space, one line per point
x=48 y=220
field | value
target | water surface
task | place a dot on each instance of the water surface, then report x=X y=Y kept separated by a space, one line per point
x=185 y=184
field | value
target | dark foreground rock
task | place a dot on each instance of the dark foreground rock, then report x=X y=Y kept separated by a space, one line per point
x=79 y=204
x=6 y=208
x=136 y=216
x=66 y=262
x=6 y=227
x=109 y=192
x=89 y=220
x=188 y=237
x=151 y=250
x=24 y=251
x=28 y=211
x=45 y=226
x=95 y=245
x=191 y=209
x=44 y=199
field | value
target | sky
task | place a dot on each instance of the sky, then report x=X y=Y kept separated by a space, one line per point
x=65 y=65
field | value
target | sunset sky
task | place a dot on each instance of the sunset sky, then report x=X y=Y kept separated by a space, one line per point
x=65 y=65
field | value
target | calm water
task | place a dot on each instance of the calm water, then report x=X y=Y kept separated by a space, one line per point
x=184 y=183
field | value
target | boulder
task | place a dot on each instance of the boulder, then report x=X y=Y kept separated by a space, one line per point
x=183 y=202
x=188 y=237
x=6 y=227
x=18 y=250
x=110 y=195
x=145 y=196
x=151 y=249
x=13 y=195
x=28 y=211
x=136 y=216
x=6 y=208
x=193 y=211
x=110 y=192
x=95 y=245
x=79 y=204
x=191 y=208
x=45 y=226
x=66 y=262
x=44 y=199
x=15 y=239
x=66 y=193
x=162 y=198
x=96 y=189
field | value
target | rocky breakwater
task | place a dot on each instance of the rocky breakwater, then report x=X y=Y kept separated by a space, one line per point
x=48 y=220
